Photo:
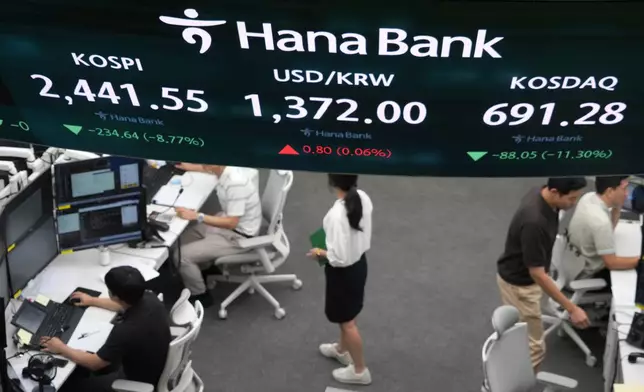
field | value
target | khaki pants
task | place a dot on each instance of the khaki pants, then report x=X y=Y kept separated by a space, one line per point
x=201 y=245
x=527 y=299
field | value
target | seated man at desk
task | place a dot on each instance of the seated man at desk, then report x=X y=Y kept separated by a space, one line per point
x=590 y=252
x=136 y=348
x=218 y=235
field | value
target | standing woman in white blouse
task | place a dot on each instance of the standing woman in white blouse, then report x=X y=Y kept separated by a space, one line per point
x=348 y=236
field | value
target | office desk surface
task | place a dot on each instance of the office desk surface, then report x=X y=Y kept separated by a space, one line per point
x=82 y=269
x=624 y=287
x=56 y=282
x=197 y=188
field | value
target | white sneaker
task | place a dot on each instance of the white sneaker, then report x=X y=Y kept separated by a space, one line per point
x=348 y=375
x=330 y=350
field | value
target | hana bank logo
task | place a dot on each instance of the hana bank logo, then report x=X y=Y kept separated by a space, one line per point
x=193 y=28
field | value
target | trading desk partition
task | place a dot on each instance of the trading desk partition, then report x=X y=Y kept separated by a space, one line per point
x=32 y=254
x=27 y=208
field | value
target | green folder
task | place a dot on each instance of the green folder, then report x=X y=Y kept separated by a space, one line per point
x=318 y=240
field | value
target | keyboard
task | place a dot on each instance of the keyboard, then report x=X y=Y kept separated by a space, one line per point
x=56 y=322
x=154 y=179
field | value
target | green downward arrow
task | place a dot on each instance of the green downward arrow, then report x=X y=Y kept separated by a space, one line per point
x=476 y=155
x=75 y=129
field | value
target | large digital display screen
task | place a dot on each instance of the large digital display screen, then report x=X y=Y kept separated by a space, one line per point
x=480 y=88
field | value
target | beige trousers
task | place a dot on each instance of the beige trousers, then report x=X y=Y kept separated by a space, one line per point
x=527 y=299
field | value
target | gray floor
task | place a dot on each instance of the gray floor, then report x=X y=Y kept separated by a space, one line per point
x=430 y=295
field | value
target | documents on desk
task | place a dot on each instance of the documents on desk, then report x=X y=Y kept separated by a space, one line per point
x=194 y=191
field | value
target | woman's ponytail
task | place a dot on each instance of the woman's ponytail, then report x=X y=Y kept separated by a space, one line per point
x=348 y=183
x=353 y=204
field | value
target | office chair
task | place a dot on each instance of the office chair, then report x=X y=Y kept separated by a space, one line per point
x=506 y=358
x=264 y=253
x=582 y=292
x=182 y=312
x=178 y=375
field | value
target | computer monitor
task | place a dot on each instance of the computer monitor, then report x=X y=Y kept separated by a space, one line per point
x=32 y=254
x=101 y=222
x=27 y=208
x=83 y=181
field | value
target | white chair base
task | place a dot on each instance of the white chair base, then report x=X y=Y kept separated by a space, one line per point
x=254 y=283
x=564 y=328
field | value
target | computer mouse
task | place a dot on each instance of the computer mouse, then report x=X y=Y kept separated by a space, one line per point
x=74 y=301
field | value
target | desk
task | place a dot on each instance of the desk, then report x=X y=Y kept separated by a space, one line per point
x=56 y=282
x=82 y=269
x=616 y=366
x=196 y=190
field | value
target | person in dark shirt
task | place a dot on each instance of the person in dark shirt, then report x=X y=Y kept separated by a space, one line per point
x=524 y=265
x=136 y=348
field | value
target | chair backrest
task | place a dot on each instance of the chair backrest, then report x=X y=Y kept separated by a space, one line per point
x=506 y=355
x=274 y=197
x=557 y=269
x=182 y=312
x=177 y=373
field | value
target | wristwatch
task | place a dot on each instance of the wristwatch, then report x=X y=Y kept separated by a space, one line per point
x=200 y=217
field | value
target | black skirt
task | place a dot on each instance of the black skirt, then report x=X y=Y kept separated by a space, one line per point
x=345 y=291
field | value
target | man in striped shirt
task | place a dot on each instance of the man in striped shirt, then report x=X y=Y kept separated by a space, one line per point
x=218 y=235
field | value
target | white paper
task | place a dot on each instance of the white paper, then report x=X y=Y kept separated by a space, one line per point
x=97 y=335
x=628 y=239
x=166 y=196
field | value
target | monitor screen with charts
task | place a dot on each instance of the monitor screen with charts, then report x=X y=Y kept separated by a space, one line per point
x=102 y=222
x=83 y=181
x=32 y=254
x=27 y=208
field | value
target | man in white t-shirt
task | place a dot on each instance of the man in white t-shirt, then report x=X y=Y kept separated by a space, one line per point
x=591 y=250
x=218 y=235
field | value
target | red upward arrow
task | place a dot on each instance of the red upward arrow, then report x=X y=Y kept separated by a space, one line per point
x=288 y=150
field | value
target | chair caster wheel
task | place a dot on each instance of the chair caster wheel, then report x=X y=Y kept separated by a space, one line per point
x=280 y=313
x=591 y=361
x=223 y=314
x=251 y=290
x=297 y=284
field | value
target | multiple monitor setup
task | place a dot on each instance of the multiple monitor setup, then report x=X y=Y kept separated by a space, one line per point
x=98 y=202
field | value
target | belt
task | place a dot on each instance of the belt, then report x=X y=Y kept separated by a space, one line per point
x=243 y=234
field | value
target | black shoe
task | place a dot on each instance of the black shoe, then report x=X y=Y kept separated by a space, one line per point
x=205 y=299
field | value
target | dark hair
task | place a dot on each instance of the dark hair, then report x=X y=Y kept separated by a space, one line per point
x=603 y=183
x=126 y=283
x=565 y=185
x=352 y=202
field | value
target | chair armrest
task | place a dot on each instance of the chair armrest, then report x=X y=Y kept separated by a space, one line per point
x=587 y=284
x=257 y=242
x=556 y=382
x=177 y=332
x=131 y=386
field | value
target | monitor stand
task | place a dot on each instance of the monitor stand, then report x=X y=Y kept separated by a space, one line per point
x=104 y=255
